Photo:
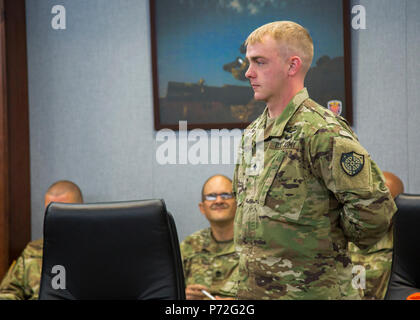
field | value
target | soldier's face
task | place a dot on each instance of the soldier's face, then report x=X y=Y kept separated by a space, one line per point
x=219 y=211
x=268 y=70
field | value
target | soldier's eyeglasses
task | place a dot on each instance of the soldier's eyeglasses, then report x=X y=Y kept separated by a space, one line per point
x=213 y=196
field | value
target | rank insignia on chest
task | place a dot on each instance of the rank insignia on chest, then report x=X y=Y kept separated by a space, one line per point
x=352 y=163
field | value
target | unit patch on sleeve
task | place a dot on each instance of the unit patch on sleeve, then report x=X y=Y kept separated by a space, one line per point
x=352 y=163
x=351 y=167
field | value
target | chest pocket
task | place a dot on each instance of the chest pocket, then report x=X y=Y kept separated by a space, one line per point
x=283 y=187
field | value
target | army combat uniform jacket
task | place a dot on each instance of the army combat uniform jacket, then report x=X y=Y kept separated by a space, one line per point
x=305 y=187
x=22 y=281
x=210 y=263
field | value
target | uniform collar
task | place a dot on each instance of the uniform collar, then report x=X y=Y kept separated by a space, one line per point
x=277 y=128
x=212 y=246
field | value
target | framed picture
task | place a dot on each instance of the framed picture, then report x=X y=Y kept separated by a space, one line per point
x=199 y=65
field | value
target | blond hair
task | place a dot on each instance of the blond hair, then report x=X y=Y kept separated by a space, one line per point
x=295 y=37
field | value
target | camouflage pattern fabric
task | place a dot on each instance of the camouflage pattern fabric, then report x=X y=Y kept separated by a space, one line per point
x=22 y=281
x=311 y=190
x=377 y=262
x=210 y=263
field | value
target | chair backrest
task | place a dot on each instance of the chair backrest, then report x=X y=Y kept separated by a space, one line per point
x=120 y=250
x=405 y=273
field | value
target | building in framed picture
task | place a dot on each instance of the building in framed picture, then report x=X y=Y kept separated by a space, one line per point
x=199 y=59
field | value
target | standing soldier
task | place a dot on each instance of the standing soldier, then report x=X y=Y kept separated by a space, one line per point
x=208 y=255
x=310 y=190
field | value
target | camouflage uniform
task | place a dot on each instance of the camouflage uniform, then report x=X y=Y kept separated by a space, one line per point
x=23 y=278
x=317 y=189
x=377 y=262
x=210 y=263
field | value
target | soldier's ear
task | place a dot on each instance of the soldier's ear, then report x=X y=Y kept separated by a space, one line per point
x=295 y=64
x=201 y=207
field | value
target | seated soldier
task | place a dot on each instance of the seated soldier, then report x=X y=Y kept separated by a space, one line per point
x=22 y=281
x=208 y=255
x=377 y=260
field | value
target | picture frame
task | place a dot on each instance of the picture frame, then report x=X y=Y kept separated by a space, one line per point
x=199 y=65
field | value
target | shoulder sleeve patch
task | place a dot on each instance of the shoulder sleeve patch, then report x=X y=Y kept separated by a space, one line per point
x=352 y=163
x=351 y=168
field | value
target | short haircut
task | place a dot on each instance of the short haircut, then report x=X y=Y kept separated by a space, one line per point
x=64 y=186
x=205 y=183
x=296 y=38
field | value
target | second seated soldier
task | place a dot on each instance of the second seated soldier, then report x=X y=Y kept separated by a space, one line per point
x=208 y=255
x=313 y=189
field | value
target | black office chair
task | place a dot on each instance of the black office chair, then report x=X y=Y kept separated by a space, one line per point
x=121 y=250
x=405 y=272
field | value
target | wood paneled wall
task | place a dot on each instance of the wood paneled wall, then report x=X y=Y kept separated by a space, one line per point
x=15 y=215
